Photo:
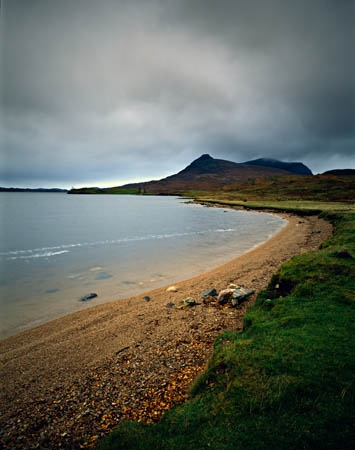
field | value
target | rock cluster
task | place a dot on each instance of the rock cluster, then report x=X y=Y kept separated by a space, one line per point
x=232 y=296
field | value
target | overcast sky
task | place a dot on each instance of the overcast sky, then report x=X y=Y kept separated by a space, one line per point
x=100 y=93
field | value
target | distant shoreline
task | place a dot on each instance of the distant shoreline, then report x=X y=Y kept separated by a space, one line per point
x=50 y=190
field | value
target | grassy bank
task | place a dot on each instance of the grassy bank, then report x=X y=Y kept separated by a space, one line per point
x=286 y=381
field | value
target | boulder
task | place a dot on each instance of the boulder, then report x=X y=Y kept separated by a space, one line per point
x=225 y=296
x=146 y=298
x=87 y=297
x=239 y=295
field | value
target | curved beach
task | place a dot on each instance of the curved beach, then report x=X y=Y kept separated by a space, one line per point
x=60 y=379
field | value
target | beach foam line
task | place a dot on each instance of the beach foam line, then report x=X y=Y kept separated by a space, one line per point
x=38 y=255
x=50 y=251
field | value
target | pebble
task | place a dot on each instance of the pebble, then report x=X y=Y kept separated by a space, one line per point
x=189 y=301
x=172 y=289
x=170 y=305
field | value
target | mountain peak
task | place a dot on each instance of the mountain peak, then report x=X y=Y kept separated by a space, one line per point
x=204 y=164
x=204 y=157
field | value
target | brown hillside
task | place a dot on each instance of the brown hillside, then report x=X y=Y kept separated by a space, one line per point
x=206 y=173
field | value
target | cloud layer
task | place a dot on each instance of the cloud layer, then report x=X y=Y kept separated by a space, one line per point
x=100 y=93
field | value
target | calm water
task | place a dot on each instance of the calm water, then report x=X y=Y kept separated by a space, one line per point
x=55 y=248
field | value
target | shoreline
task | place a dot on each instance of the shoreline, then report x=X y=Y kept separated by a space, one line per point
x=55 y=358
x=144 y=292
x=34 y=306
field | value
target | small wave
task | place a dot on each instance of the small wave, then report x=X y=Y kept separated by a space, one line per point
x=51 y=251
x=38 y=255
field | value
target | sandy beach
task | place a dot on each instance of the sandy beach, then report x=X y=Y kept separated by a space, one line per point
x=66 y=383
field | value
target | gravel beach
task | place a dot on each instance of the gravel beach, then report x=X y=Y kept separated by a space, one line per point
x=66 y=383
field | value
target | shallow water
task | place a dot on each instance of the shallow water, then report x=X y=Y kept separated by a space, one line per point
x=56 y=248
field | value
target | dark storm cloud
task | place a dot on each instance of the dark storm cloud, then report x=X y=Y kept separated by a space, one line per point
x=104 y=92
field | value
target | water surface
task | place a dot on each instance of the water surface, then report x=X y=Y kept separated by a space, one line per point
x=56 y=248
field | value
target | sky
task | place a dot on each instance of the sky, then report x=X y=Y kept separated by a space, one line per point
x=102 y=93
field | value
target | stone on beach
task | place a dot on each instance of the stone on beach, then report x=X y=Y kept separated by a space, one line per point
x=224 y=296
x=172 y=289
x=87 y=297
x=209 y=293
x=239 y=295
x=189 y=301
x=233 y=297
x=103 y=276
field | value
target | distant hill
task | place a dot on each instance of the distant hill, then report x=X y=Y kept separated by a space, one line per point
x=297 y=168
x=54 y=190
x=203 y=174
x=340 y=172
x=206 y=173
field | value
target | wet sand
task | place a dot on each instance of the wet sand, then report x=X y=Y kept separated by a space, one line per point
x=40 y=364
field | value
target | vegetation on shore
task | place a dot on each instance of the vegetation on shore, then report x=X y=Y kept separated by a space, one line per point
x=295 y=188
x=113 y=191
x=286 y=381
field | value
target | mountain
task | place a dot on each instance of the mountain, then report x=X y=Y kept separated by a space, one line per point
x=340 y=172
x=203 y=174
x=206 y=173
x=297 y=168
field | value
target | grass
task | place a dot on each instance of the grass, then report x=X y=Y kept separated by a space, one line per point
x=286 y=381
